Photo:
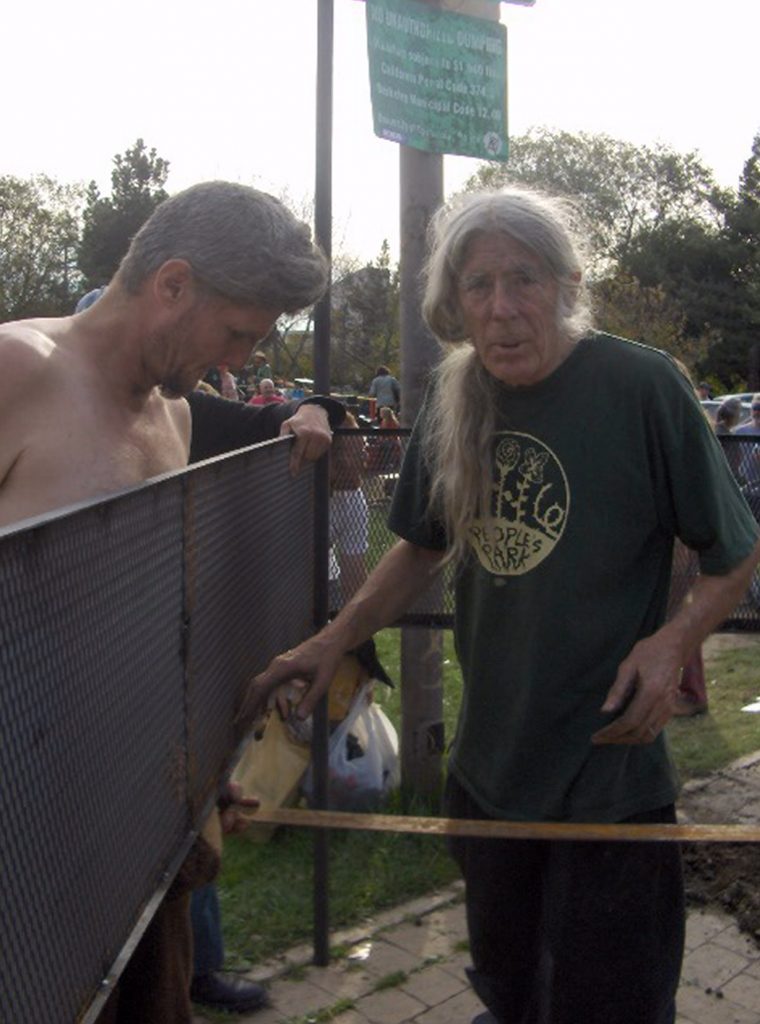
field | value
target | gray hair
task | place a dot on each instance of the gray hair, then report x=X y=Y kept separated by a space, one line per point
x=461 y=420
x=729 y=412
x=540 y=222
x=241 y=243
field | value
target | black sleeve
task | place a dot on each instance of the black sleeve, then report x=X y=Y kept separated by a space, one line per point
x=336 y=411
x=220 y=426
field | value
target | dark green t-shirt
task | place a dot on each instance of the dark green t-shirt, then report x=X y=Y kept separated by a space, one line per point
x=595 y=469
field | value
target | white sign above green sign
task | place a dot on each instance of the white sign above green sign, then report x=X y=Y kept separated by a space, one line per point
x=438 y=80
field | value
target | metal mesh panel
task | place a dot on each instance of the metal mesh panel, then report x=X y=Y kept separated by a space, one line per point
x=375 y=456
x=127 y=628
x=92 y=735
x=250 y=578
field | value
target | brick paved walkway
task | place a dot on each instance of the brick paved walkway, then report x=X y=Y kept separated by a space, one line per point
x=412 y=966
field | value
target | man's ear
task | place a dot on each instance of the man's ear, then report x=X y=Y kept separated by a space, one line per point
x=174 y=284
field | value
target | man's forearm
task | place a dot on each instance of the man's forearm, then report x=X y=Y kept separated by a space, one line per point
x=711 y=601
x=401 y=576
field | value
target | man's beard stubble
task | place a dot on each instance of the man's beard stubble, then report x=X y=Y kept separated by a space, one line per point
x=175 y=384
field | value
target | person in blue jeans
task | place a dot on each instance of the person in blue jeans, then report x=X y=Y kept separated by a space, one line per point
x=218 y=427
x=211 y=985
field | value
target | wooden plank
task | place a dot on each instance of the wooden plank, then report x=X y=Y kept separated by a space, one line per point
x=563 y=830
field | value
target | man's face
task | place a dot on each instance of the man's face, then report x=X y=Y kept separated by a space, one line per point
x=213 y=331
x=266 y=388
x=508 y=300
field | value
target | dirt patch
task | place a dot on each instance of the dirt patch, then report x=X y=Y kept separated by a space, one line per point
x=725 y=875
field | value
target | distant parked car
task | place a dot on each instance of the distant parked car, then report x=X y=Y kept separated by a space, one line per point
x=745 y=396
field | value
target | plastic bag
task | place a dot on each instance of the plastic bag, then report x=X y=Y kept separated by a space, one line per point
x=362 y=759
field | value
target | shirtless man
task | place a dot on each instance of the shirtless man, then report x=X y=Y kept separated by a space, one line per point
x=93 y=403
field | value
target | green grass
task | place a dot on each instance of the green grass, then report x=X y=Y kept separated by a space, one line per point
x=266 y=888
x=703 y=743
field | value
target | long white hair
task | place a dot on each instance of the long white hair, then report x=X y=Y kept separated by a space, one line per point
x=462 y=407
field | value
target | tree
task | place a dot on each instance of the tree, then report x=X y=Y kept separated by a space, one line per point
x=620 y=189
x=647 y=314
x=39 y=233
x=110 y=222
x=365 y=330
x=743 y=228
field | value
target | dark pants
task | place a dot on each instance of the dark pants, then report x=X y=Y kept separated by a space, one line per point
x=572 y=932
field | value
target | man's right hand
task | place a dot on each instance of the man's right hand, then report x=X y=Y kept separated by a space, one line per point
x=403 y=573
x=310 y=666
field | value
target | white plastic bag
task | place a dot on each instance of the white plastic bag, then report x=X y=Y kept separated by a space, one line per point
x=362 y=760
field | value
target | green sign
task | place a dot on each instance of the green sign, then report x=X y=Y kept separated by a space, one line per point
x=438 y=80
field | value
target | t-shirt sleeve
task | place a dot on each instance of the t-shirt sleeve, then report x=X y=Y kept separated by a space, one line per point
x=699 y=499
x=220 y=426
x=410 y=516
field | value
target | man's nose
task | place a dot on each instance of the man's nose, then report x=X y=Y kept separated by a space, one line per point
x=502 y=300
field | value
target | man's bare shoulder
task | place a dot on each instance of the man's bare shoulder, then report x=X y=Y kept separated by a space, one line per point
x=25 y=350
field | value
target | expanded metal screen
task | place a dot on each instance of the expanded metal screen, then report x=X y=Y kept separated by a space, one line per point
x=127 y=629
x=368 y=463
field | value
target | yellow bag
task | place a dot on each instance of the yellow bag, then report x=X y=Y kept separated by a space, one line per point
x=271 y=769
x=274 y=762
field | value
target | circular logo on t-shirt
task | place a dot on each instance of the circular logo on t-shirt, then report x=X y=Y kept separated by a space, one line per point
x=530 y=499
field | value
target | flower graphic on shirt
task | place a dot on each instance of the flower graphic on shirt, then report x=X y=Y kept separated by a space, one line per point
x=528 y=509
x=533 y=464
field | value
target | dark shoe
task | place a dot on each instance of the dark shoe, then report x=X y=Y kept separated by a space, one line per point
x=485 y=1018
x=228 y=992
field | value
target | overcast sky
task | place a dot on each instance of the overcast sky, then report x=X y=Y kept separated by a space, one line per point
x=228 y=90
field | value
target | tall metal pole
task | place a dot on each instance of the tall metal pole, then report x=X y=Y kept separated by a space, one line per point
x=323 y=232
x=421 y=193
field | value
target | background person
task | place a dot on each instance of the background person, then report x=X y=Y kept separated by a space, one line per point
x=349 y=515
x=261 y=368
x=228 y=383
x=728 y=416
x=268 y=394
x=385 y=389
x=564 y=552
x=219 y=427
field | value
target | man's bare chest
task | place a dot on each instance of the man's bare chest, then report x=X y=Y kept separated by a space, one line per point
x=63 y=458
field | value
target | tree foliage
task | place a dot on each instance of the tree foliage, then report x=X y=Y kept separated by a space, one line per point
x=364 y=329
x=647 y=313
x=39 y=234
x=620 y=189
x=110 y=222
x=364 y=318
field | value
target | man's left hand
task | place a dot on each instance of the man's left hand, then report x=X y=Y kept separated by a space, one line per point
x=231 y=803
x=644 y=691
x=311 y=429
